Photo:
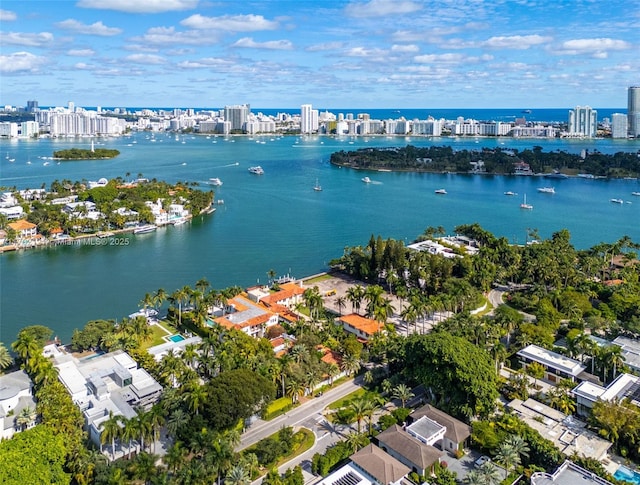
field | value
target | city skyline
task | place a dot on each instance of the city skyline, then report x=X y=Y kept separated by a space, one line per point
x=356 y=54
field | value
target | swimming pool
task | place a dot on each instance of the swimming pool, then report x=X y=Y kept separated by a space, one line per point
x=177 y=338
x=625 y=474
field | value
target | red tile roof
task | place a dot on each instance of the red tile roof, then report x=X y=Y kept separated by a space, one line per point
x=365 y=325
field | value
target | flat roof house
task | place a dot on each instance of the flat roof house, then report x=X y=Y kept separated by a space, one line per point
x=630 y=351
x=556 y=366
x=568 y=474
x=624 y=386
x=104 y=384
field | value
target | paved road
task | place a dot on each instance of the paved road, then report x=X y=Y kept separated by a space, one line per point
x=307 y=414
x=496 y=299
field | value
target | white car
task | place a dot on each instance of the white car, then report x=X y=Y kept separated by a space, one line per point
x=482 y=460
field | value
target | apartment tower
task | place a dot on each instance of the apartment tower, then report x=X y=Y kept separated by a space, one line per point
x=633 y=111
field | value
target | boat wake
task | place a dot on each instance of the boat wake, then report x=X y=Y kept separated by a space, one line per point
x=228 y=165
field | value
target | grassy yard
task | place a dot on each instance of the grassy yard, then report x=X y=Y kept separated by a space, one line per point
x=278 y=407
x=157 y=335
x=317 y=279
x=345 y=400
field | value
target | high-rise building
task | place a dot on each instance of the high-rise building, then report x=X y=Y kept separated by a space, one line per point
x=308 y=119
x=619 y=125
x=633 y=111
x=583 y=121
x=237 y=115
x=32 y=106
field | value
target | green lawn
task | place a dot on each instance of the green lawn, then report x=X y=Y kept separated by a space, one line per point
x=278 y=407
x=317 y=279
x=157 y=335
x=345 y=400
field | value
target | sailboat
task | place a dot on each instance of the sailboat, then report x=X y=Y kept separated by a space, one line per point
x=524 y=204
x=317 y=187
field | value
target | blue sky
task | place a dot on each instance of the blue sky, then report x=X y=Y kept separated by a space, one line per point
x=356 y=54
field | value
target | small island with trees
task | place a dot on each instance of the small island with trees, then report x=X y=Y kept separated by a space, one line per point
x=84 y=154
x=490 y=161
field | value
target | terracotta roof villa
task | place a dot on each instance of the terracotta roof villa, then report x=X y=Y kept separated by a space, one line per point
x=361 y=327
x=247 y=316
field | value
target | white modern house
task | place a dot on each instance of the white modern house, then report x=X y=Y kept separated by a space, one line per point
x=15 y=396
x=556 y=366
x=568 y=474
x=104 y=384
x=625 y=386
x=630 y=351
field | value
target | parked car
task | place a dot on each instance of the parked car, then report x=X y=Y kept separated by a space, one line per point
x=482 y=460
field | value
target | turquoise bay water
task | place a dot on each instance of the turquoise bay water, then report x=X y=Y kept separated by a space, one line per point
x=277 y=221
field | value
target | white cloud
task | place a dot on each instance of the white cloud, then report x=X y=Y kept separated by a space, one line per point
x=271 y=44
x=31 y=40
x=97 y=28
x=381 y=8
x=230 y=23
x=597 y=48
x=515 y=41
x=139 y=6
x=81 y=52
x=364 y=52
x=7 y=16
x=169 y=36
x=145 y=59
x=21 y=61
x=450 y=58
x=206 y=62
x=327 y=46
x=405 y=48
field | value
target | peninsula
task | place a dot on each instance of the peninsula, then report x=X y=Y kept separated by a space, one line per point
x=491 y=161
x=84 y=154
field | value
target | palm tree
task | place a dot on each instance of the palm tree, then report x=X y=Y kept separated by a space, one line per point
x=360 y=407
x=355 y=294
x=350 y=364
x=176 y=456
x=489 y=473
x=26 y=346
x=129 y=432
x=143 y=425
x=402 y=392
x=341 y=302
x=5 y=357
x=332 y=371
x=111 y=431
x=295 y=389
x=507 y=456
x=25 y=418
x=535 y=370
x=144 y=467
x=195 y=396
x=177 y=420
x=355 y=441
x=157 y=420
x=238 y=475
x=519 y=444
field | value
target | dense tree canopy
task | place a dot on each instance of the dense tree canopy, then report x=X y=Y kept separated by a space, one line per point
x=460 y=375
x=36 y=455
x=234 y=395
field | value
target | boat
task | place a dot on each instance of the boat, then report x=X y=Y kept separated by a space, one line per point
x=547 y=190
x=637 y=194
x=317 y=187
x=215 y=181
x=508 y=192
x=524 y=204
x=441 y=192
x=145 y=229
x=556 y=174
x=526 y=111
x=366 y=180
x=256 y=170
x=617 y=201
x=179 y=222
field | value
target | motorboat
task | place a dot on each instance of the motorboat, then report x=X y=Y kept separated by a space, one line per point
x=256 y=170
x=441 y=192
x=317 y=187
x=145 y=229
x=617 y=201
x=637 y=194
x=547 y=190
x=508 y=192
x=215 y=181
x=366 y=180
x=524 y=204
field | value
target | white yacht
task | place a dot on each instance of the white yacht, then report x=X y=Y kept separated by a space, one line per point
x=215 y=181
x=256 y=170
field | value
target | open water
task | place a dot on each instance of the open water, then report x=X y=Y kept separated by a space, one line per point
x=277 y=221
